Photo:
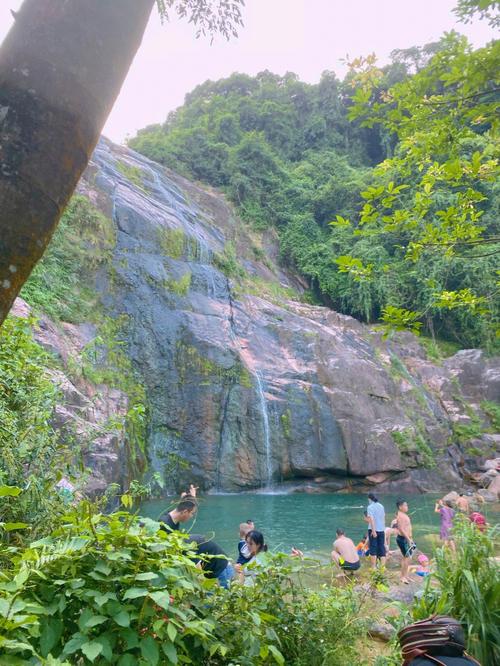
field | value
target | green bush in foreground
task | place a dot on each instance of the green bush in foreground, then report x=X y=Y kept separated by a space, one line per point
x=105 y=590
x=468 y=589
x=110 y=589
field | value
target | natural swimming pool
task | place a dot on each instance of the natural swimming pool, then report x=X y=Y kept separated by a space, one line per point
x=305 y=521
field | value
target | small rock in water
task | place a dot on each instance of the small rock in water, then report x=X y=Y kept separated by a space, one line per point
x=451 y=497
x=494 y=487
x=487 y=493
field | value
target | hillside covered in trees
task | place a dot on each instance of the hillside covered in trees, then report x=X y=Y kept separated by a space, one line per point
x=379 y=231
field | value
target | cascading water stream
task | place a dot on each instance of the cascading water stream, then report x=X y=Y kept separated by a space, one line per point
x=265 y=421
x=262 y=398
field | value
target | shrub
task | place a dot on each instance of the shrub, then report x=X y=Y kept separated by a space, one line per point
x=105 y=590
x=112 y=589
x=32 y=458
x=280 y=621
x=468 y=589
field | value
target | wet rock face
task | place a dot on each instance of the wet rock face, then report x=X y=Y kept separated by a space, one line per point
x=248 y=391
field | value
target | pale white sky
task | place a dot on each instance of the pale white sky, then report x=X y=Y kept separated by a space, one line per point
x=302 y=36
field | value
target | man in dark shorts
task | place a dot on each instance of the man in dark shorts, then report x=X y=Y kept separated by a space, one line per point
x=376 y=521
x=344 y=552
x=404 y=538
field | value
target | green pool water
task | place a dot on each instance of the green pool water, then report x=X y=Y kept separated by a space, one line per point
x=305 y=521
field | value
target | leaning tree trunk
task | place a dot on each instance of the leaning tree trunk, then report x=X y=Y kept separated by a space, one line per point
x=61 y=68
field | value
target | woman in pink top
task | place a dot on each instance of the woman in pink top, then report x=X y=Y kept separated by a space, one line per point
x=447 y=514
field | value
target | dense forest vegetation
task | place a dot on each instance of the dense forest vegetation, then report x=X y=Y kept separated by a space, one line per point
x=384 y=225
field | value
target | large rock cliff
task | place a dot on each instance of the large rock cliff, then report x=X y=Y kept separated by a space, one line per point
x=249 y=385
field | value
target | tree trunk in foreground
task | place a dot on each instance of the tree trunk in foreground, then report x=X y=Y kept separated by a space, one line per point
x=61 y=68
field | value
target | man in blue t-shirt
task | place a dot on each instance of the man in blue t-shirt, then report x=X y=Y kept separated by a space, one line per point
x=376 y=532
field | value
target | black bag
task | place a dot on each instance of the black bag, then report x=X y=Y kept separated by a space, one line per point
x=436 y=636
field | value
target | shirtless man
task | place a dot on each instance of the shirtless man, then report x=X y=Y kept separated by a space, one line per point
x=344 y=552
x=463 y=503
x=404 y=538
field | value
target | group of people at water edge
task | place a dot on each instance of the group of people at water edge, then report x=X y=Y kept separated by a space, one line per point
x=345 y=555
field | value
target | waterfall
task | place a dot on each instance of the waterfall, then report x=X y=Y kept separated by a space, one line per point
x=267 y=483
x=265 y=421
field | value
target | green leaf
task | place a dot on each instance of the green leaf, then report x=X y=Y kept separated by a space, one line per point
x=21 y=577
x=149 y=650
x=147 y=575
x=92 y=649
x=88 y=619
x=8 y=527
x=103 y=567
x=50 y=635
x=170 y=652
x=101 y=599
x=107 y=640
x=10 y=491
x=130 y=637
x=95 y=620
x=171 y=631
x=162 y=598
x=278 y=657
x=127 y=501
x=74 y=643
x=122 y=618
x=135 y=592
x=127 y=660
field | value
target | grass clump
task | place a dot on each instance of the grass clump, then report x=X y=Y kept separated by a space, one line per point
x=132 y=173
x=227 y=262
x=172 y=242
x=437 y=349
x=62 y=283
x=410 y=442
x=492 y=410
x=179 y=287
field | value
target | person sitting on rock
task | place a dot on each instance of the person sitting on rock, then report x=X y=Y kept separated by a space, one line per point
x=344 y=552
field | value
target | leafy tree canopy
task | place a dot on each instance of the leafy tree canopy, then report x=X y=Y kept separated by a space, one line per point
x=384 y=186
